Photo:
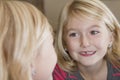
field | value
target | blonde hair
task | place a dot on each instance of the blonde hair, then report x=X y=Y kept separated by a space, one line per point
x=22 y=30
x=91 y=9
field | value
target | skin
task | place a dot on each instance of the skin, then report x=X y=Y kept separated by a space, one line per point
x=87 y=41
x=45 y=61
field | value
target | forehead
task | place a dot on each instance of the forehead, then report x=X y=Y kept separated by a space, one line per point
x=80 y=21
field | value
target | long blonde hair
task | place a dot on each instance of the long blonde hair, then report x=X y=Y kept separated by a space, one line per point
x=22 y=30
x=91 y=9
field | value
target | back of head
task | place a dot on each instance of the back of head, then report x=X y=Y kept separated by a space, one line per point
x=22 y=29
x=89 y=9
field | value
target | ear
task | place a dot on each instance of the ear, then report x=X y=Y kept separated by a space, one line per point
x=33 y=70
x=64 y=44
x=65 y=48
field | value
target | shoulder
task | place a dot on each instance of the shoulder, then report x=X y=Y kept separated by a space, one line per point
x=58 y=73
x=113 y=72
x=116 y=71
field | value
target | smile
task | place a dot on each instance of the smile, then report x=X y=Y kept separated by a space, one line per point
x=87 y=53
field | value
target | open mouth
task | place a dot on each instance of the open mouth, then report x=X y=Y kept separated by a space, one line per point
x=87 y=53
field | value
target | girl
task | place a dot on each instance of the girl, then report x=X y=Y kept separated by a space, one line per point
x=87 y=42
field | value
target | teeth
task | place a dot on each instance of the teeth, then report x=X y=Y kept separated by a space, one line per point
x=87 y=52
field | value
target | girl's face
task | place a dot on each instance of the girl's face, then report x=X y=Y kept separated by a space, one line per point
x=86 y=40
x=45 y=61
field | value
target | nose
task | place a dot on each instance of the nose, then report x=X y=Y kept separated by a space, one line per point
x=84 y=41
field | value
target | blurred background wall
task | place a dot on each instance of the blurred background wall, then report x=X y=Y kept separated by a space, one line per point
x=38 y=3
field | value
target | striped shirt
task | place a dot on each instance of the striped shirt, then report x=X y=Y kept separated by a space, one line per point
x=59 y=74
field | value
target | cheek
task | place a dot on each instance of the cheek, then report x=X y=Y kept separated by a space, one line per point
x=71 y=46
x=101 y=43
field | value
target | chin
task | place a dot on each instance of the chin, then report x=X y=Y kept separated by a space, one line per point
x=87 y=63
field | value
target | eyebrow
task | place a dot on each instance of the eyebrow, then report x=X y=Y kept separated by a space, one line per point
x=95 y=26
x=72 y=29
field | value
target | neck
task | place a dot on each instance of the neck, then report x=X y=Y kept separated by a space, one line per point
x=94 y=71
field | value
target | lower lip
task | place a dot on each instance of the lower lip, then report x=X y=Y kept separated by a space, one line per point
x=87 y=55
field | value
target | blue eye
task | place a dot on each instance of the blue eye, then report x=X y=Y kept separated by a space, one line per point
x=94 y=32
x=73 y=34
